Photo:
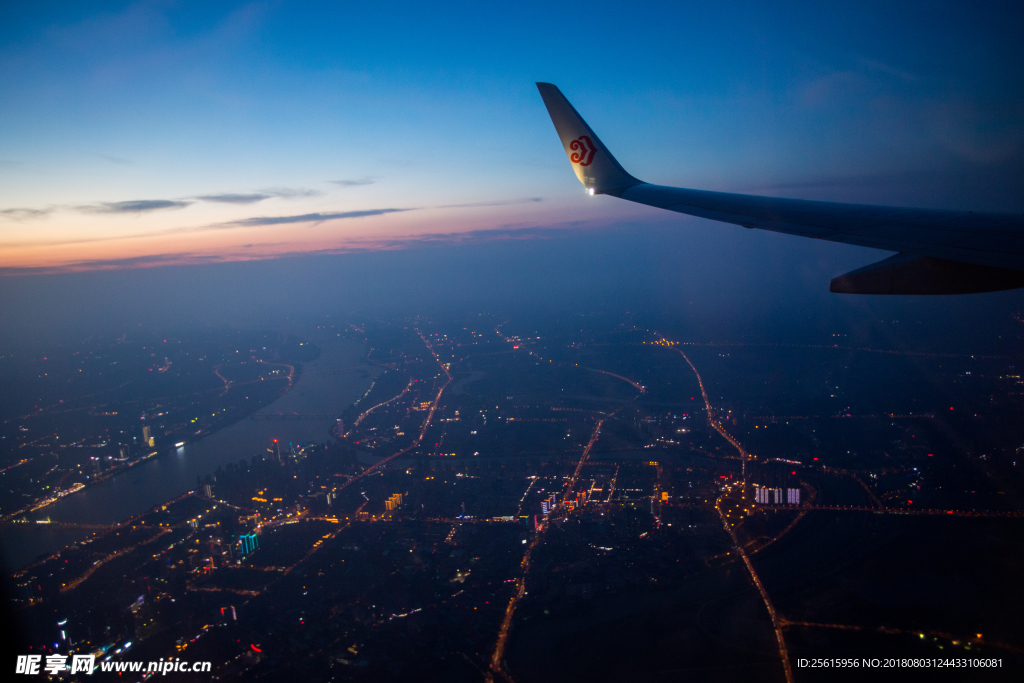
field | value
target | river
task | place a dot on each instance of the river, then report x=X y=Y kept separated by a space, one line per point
x=326 y=386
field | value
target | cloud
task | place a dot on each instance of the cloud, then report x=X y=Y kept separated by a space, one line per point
x=257 y=221
x=499 y=202
x=887 y=69
x=368 y=180
x=130 y=207
x=835 y=87
x=253 y=197
x=137 y=261
x=353 y=246
x=291 y=193
x=115 y=160
x=22 y=214
x=304 y=218
x=228 y=198
x=478 y=236
x=136 y=206
x=118 y=263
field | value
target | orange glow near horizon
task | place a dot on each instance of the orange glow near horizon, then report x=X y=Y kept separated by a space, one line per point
x=68 y=244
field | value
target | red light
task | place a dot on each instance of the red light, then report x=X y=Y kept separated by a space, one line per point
x=951 y=407
x=929 y=455
x=910 y=502
x=255 y=648
x=275 y=440
x=794 y=472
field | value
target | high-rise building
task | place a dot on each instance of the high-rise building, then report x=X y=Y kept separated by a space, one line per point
x=248 y=543
x=548 y=504
x=147 y=436
x=793 y=496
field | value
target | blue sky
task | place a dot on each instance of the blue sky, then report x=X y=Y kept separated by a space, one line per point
x=166 y=132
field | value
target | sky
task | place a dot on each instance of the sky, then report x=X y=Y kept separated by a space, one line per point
x=161 y=133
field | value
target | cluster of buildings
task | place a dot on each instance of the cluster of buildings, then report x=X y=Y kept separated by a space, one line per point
x=578 y=501
x=770 y=496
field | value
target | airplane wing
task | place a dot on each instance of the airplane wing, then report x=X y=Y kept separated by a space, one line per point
x=939 y=252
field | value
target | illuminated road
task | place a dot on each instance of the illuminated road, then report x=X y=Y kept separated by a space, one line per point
x=865 y=349
x=222 y=378
x=712 y=420
x=636 y=385
x=291 y=370
x=330 y=536
x=976 y=639
x=283 y=571
x=776 y=624
x=128 y=522
x=893 y=511
x=583 y=459
x=366 y=412
x=524 y=567
x=62 y=525
x=776 y=621
x=107 y=558
x=426 y=423
x=506 y=622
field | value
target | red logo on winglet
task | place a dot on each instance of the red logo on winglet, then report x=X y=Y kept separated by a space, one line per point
x=582 y=150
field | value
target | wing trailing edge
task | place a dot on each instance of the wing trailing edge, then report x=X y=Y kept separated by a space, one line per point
x=908 y=274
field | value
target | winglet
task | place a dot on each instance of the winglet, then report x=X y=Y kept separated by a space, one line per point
x=595 y=166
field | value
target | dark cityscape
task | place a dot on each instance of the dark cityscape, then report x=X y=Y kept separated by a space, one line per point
x=581 y=497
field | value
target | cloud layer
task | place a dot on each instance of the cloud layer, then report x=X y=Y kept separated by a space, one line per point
x=136 y=206
x=309 y=217
x=499 y=202
x=228 y=198
x=368 y=180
